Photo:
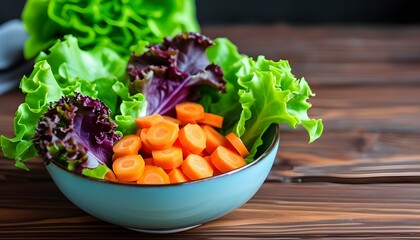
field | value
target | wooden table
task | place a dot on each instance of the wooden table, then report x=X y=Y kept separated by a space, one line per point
x=360 y=180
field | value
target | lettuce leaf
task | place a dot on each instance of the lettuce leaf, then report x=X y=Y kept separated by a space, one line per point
x=115 y=24
x=259 y=93
x=65 y=70
x=167 y=73
x=77 y=132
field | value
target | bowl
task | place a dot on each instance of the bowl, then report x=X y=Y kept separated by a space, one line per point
x=168 y=208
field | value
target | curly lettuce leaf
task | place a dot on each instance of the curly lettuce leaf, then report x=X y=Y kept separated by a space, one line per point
x=115 y=24
x=65 y=70
x=77 y=132
x=260 y=93
x=167 y=73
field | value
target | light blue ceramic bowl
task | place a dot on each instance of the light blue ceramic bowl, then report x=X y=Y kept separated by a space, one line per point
x=168 y=208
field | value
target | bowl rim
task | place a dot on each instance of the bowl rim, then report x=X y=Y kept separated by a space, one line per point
x=273 y=143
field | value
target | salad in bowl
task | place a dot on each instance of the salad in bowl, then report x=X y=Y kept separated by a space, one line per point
x=179 y=133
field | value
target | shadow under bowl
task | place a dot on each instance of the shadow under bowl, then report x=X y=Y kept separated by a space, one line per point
x=168 y=208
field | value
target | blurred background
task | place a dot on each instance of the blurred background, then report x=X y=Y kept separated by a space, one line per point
x=215 y=12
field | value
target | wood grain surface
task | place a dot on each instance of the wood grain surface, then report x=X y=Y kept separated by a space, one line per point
x=360 y=180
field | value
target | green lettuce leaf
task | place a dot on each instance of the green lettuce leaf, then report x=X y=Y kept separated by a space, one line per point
x=116 y=24
x=98 y=172
x=65 y=70
x=260 y=93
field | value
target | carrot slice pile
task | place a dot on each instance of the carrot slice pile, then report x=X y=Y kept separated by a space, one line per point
x=193 y=138
x=225 y=160
x=168 y=158
x=213 y=138
x=196 y=167
x=129 y=144
x=237 y=144
x=177 y=176
x=189 y=112
x=168 y=150
x=148 y=121
x=128 y=168
x=212 y=120
x=153 y=175
x=162 y=135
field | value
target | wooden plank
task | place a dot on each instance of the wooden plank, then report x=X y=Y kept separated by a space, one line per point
x=318 y=44
x=334 y=55
x=349 y=157
x=374 y=107
x=282 y=211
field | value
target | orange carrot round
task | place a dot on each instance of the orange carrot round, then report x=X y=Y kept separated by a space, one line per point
x=196 y=167
x=211 y=119
x=162 y=135
x=189 y=112
x=213 y=138
x=225 y=160
x=215 y=170
x=193 y=138
x=146 y=148
x=237 y=144
x=127 y=145
x=171 y=119
x=153 y=175
x=148 y=121
x=110 y=176
x=149 y=161
x=128 y=168
x=168 y=158
x=177 y=176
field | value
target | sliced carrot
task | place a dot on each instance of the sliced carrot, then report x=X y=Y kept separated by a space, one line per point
x=208 y=160
x=177 y=176
x=110 y=176
x=146 y=148
x=189 y=112
x=153 y=175
x=215 y=170
x=148 y=121
x=162 y=135
x=138 y=132
x=171 y=119
x=127 y=145
x=237 y=144
x=225 y=160
x=211 y=119
x=193 y=138
x=196 y=167
x=128 y=168
x=168 y=158
x=149 y=161
x=213 y=138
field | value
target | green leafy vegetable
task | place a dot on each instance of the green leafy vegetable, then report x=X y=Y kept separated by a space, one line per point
x=76 y=132
x=116 y=24
x=99 y=172
x=66 y=70
x=259 y=93
x=167 y=73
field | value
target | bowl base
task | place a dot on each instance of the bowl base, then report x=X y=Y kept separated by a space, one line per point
x=163 y=231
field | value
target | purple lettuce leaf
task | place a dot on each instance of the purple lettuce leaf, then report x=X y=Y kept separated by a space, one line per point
x=167 y=72
x=77 y=132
